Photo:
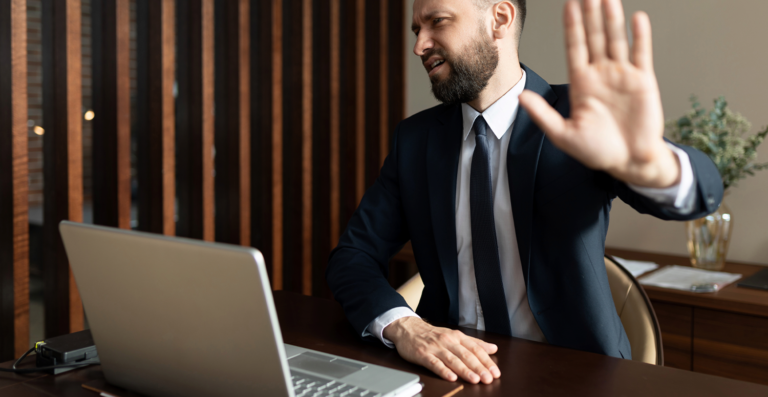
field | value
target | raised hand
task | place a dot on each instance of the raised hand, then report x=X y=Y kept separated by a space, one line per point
x=616 y=123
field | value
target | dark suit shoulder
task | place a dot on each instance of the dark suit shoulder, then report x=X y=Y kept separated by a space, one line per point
x=423 y=120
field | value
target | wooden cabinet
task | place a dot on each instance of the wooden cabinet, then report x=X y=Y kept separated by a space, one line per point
x=723 y=333
x=676 y=322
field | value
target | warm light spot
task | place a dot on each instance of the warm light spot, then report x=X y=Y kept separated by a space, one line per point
x=89 y=115
x=38 y=130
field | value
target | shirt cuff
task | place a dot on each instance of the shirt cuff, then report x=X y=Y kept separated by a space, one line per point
x=376 y=327
x=680 y=196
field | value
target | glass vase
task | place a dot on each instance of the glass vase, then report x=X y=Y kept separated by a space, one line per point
x=708 y=239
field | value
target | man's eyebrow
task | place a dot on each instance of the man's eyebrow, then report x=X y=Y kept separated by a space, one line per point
x=427 y=17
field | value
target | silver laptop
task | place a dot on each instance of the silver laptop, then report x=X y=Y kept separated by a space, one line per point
x=181 y=317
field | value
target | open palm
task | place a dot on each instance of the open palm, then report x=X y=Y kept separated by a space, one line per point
x=616 y=123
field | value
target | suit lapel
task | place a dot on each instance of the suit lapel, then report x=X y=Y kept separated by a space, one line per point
x=443 y=149
x=522 y=160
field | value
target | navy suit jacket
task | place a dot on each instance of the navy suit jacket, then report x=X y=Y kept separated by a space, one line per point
x=560 y=209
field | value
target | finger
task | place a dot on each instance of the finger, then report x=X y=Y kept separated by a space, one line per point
x=642 y=48
x=547 y=118
x=434 y=364
x=472 y=362
x=593 y=23
x=457 y=366
x=482 y=356
x=575 y=40
x=489 y=348
x=616 y=29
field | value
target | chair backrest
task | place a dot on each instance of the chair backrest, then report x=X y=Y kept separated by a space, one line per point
x=411 y=291
x=636 y=314
x=632 y=305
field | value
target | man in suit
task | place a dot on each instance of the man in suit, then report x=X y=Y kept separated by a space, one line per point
x=505 y=189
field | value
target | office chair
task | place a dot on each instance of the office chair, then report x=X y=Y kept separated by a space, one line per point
x=632 y=305
x=636 y=314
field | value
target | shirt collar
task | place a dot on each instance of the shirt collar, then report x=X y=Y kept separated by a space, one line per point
x=500 y=115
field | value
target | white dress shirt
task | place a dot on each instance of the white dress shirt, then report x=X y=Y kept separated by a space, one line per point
x=500 y=118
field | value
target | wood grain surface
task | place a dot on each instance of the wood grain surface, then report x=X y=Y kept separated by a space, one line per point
x=156 y=115
x=233 y=128
x=14 y=184
x=112 y=107
x=195 y=119
x=731 y=344
x=63 y=159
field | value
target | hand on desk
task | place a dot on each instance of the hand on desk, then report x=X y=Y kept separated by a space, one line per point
x=443 y=351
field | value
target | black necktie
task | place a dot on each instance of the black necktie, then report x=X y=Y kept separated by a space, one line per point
x=485 y=250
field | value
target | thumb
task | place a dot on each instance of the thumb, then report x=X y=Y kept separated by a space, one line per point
x=544 y=115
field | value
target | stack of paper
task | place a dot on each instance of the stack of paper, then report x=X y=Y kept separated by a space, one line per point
x=636 y=267
x=689 y=279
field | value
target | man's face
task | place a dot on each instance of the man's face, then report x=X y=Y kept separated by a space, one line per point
x=455 y=48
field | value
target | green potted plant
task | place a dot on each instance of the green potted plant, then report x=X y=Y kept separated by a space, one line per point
x=721 y=134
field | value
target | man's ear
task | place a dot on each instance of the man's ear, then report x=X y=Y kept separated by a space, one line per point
x=503 y=19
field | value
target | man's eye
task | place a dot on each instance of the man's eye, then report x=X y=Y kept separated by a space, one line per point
x=438 y=20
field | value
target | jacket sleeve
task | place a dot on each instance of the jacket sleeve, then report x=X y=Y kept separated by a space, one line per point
x=358 y=267
x=708 y=191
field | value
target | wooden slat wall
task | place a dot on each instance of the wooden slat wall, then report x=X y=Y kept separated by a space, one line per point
x=281 y=121
x=14 y=225
x=63 y=167
x=156 y=118
x=112 y=103
x=233 y=131
x=195 y=119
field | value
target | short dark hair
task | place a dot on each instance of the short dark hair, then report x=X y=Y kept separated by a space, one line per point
x=519 y=6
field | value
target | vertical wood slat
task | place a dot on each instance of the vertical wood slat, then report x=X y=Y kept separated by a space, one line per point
x=112 y=107
x=14 y=224
x=335 y=61
x=351 y=108
x=324 y=143
x=263 y=125
x=294 y=122
x=383 y=83
x=277 y=144
x=360 y=27
x=373 y=71
x=396 y=69
x=232 y=137
x=195 y=119
x=306 y=147
x=63 y=168
x=156 y=121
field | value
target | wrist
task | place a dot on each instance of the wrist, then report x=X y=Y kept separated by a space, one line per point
x=396 y=329
x=662 y=171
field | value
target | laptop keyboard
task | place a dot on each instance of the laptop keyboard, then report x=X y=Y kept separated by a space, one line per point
x=311 y=386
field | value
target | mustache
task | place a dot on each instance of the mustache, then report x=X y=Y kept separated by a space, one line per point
x=435 y=51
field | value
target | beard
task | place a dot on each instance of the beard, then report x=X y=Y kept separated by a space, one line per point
x=469 y=71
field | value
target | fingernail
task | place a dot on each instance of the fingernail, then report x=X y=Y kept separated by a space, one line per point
x=487 y=378
x=474 y=378
x=495 y=371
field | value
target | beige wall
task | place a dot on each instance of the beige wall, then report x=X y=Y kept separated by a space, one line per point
x=703 y=47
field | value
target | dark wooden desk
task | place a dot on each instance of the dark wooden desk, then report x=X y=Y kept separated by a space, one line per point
x=528 y=368
x=723 y=333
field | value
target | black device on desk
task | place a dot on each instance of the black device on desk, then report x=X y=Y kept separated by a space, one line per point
x=74 y=348
x=758 y=280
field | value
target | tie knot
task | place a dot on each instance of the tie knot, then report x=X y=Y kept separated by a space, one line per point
x=480 y=126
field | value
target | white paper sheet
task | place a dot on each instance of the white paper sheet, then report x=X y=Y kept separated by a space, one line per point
x=636 y=267
x=684 y=278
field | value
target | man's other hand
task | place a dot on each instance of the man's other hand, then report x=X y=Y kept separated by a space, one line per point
x=443 y=351
x=616 y=123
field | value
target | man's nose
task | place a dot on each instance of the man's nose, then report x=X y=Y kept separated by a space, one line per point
x=423 y=44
